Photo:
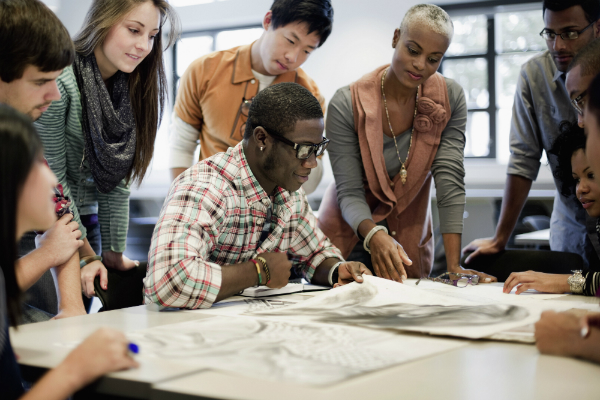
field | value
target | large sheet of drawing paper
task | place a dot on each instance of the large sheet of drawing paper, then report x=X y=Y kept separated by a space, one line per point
x=305 y=353
x=384 y=304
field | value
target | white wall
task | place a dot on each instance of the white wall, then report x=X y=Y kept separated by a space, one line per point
x=360 y=41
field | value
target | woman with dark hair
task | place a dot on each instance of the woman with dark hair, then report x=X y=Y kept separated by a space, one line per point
x=577 y=176
x=27 y=204
x=99 y=137
x=392 y=132
x=565 y=334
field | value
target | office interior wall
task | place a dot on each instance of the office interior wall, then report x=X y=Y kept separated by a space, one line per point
x=360 y=41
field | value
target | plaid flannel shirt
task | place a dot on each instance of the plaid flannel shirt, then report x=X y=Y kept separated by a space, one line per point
x=213 y=216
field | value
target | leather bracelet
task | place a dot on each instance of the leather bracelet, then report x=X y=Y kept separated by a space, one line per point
x=89 y=259
x=370 y=235
x=332 y=271
x=257 y=271
x=266 y=268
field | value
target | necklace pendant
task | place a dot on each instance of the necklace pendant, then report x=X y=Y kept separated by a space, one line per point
x=403 y=174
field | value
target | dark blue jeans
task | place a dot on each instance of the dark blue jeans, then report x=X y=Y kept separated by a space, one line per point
x=93 y=237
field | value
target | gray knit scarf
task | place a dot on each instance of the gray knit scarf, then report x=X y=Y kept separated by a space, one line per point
x=108 y=123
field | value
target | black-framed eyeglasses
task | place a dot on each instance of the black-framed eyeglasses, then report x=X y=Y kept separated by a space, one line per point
x=578 y=102
x=549 y=35
x=456 y=279
x=303 y=151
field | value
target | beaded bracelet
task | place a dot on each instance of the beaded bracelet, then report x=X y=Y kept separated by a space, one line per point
x=266 y=268
x=258 y=271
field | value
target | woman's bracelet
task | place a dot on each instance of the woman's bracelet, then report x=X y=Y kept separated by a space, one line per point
x=266 y=268
x=257 y=271
x=370 y=235
x=89 y=259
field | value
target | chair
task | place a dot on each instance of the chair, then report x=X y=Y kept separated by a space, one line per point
x=125 y=288
x=502 y=264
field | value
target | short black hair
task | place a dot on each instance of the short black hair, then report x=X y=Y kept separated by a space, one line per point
x=571 y=139
x=31 y=34
x=588 y=58
x=278 y=107
x=318 y=14
x=591 y=8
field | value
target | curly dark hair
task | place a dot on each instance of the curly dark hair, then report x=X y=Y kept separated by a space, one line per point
x=277 y=108
x=571 y=139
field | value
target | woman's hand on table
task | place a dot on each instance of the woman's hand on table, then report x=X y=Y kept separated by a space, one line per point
x=388 y=257
x=104 y=351
x=549 y=283
x=351 y=271
x=118 y=261
x=559 y=334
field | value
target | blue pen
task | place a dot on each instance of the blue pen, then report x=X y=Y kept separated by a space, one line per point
x=133 y=348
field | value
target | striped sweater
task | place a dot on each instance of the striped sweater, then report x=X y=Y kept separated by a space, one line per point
x=60 y=128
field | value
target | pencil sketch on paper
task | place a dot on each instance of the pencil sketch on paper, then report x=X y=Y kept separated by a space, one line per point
x=244 y=306
x=313 y=353
x=409 y=315
x=379 y=303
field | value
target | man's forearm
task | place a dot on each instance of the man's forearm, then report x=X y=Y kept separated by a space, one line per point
x=452 y=248
x=321 y=275
x=68 y=282
x=515 y=195
x=235 y=278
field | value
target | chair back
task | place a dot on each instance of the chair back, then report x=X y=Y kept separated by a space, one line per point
x=502 y=264
x=124 y=289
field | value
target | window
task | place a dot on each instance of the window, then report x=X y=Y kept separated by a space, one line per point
x=491 y=42
x=197 y=44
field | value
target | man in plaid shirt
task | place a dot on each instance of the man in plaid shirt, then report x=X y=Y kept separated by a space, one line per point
x=247 y=202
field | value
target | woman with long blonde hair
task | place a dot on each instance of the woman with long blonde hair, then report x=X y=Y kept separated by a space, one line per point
x=99 y=138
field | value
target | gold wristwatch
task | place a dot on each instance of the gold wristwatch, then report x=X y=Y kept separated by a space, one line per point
x=576 y=282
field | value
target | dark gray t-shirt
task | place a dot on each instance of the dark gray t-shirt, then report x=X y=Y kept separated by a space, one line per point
x=447 y=168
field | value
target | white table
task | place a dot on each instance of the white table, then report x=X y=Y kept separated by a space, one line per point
x=541 y=237
x=35 y=345
x=483 y=369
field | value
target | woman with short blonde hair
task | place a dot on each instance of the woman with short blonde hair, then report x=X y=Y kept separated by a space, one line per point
x=392 y=132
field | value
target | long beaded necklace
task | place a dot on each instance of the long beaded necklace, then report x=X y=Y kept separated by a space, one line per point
x=403 y=171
